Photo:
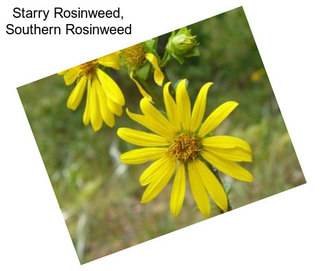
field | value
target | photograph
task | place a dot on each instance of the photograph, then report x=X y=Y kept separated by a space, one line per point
x=163 y=134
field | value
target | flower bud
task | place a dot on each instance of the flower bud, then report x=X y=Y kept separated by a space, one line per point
x=182 y=44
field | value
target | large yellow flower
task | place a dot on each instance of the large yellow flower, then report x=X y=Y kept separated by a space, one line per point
x=182 y=144
x=104 y=97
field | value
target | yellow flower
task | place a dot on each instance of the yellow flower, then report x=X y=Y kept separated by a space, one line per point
x=257 y=75
x=104 y=97
x=135 y=57
x=181 y=145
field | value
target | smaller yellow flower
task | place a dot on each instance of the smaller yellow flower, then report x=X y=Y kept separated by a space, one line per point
x=135 y=57
x=182 y=143
x=104 y=97
x=257 y=75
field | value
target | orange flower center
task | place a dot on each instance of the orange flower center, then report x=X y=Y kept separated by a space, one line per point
x=185 y=147
x=88 y=67
x=134 y=55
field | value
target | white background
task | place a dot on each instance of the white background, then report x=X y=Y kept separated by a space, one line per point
x=283 y=232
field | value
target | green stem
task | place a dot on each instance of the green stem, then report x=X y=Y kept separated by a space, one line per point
x=165 y=59
x=218 y=177
x=152 y=93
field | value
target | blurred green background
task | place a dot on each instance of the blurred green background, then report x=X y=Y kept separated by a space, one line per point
x=100 y=197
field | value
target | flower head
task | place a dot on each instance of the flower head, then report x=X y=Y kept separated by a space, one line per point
x=139 y=58
x=104 y=97
x=181 y=145
x=182 y=44
x=134 y=55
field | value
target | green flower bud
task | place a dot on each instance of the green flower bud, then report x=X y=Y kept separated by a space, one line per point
x=182 y=44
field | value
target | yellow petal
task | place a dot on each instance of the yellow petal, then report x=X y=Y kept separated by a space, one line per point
x=110 y=87
x=171 y=108
x=148 y=123
x=71 y=75
x=152 y=113
x=103 y=103
x=95 y=114
x=198 y=190
x=87 y=110
x=141 y=138
x=178 y=191
x=216 y=117
x=111 y=60
x=212 y=185
x=199 y=107
x=234 y=154
x=76 y=95
x=143 y=155
x=183 y=104
x=140 y=88
x=161 y=180
x=150 y=172
x=62 y=72
x=228 y=167
x=114 y=108
x=226 y=142
x=158 y=74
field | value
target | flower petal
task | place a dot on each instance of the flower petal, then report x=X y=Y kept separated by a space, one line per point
x=141 y=138
x=183 y=104
x=62 y=72
x=198 y=190
x=87 y=110
x=171 y=108
x=71 y=75
x=149 y=173
x=212 y=185
x=77 y=93
x=95 y=114
x=148 y=123
x=115 y=108
x=226 y=142
x=160 y=181
x=216 y=117
x=110 y=87
x=143 y=155
x=106 y=114
x=111 y=60
x=228 y=167
x=158 y=74
x=234 y=154
x=178 y=191
x=154 y=115
x=199 y=107
x=143 y=92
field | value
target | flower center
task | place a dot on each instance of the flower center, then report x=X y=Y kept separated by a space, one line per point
x=88 y=67
x=185 y=147
x=134 y=55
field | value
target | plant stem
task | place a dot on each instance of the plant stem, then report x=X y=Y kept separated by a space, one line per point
x=153 y=94
x=218 y=177
x=165 y=59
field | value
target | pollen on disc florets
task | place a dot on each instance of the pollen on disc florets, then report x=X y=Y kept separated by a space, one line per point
x=88 y=67
x=185 y=147
x=134 y=55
